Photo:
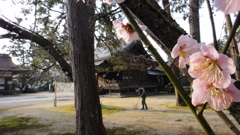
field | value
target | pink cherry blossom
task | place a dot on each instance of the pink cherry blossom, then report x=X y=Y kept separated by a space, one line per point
x=109 y=2
x=194 y=103
x=211 y=67
x=185 y=47
x=239 y=47
x=126 y=31
x=217 y=98
x=227 y=6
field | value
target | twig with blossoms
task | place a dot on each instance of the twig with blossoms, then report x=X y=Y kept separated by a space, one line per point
x=219 y=82
x=126 y=31
x=212 y=69
x=167 y=70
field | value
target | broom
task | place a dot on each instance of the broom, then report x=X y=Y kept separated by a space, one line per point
x=136 y=106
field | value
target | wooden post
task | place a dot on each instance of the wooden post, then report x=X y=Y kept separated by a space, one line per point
x=55 y=96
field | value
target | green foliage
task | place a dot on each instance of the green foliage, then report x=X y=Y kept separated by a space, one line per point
x=14 y=123
x=182 y=7
x=115 y=63
x=50 y=22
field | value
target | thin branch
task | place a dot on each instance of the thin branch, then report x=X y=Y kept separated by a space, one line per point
x=52 y=9
x=231 y=35
x=41 y=41
x=200 y=112
x=100 y=16
x=228 y=122
x=11 y=36
x=213 y=25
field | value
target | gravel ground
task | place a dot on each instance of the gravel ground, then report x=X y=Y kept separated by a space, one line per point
x=162 y=117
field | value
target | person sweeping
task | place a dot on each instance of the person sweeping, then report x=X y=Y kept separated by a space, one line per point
x=143 y=95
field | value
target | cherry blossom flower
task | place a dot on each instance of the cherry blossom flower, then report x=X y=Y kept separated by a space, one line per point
x=217 y=98
x=126 y=31
x=185 y=47
x=227 y=6
x=239 y=47
x=109 y=2
x=211 y=67
x=194 y=103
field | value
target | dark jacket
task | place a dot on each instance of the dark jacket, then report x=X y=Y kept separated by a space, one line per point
x=141 y=92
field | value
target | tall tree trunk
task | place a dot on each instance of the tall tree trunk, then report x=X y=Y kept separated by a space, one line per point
x=87 y=104
x=194 y=19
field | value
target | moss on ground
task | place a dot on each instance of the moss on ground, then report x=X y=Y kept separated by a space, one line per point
x=107 y=109
x=69 y=109
x=124 y=131
x=115 y=131
x=3 y=110
x=15 y=123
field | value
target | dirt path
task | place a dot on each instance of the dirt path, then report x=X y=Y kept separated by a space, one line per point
x=162 y=118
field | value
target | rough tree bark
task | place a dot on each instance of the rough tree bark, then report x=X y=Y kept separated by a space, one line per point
x=157 y=20
x=87 y=104
x=21 y=33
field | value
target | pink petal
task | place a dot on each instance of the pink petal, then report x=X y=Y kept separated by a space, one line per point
x=226 y=64
x=143 y=27
x=130 y=37
x=239 y=47
x=117 y=23
x=219 y=104
x=223 y=98
x=196 y=104
x=182 y=62
x=225 y=82
x=175 y=51
x=227 y=6
x=182 y=40
x=233 y=92
x=109 y=2
x=194 y=59
x=209 y=51
x=200 y=93
x=197 y=57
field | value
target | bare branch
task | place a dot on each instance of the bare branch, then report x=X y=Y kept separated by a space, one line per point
x=41 y=41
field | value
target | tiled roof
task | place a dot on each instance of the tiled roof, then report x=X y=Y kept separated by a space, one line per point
x=6 y=64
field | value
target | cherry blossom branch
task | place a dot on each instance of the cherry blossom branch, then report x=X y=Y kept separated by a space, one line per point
x=228 y=122
x=231 y=35
x=213 y=25
x=202 y=109
x=166 y=69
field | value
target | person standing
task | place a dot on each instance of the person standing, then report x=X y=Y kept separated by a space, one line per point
x=143 y=95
